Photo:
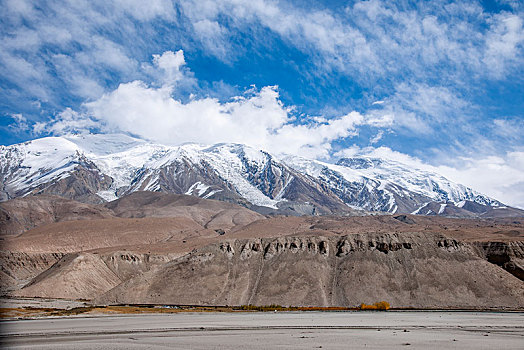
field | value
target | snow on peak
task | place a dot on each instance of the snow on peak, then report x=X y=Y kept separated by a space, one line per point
x=358 y=181
x=103 y=144
x=426 y=183
x=359 y=162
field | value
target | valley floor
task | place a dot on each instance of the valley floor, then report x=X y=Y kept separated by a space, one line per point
x=289 y=330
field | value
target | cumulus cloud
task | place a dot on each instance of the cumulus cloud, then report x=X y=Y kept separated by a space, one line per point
x=260 y=120
x=66 y=122
x=170 y=63
x=257 y=118
x=498 y=176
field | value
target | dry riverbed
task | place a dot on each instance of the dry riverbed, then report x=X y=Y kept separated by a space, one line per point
x=263 y=330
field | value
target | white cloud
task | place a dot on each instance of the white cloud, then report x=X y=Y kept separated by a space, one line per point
x=20 y=124
x=147 y=10
x=26 y=73
x=501 y=177
x=420 y=108
x=76 y=78
x=55 y=46
x=377 y=137
x=259 y=120
x=107 y=53
x=19 y=8
x=377 y=38
x=511 y=129
x=214 y=37
x=338 y=43
x=503 y=43
x=170 y=62
x=66 y=122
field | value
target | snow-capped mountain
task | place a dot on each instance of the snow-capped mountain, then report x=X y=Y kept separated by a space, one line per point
x=385 y=185
x=97 y=168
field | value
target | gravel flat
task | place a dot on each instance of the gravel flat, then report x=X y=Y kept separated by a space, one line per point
x=284 y=330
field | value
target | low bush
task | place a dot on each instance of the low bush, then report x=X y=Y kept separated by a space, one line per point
x=271 y=307
x=381 y=305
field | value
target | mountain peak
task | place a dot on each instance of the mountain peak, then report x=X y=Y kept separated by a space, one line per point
x=359 y=162
x=99 y=168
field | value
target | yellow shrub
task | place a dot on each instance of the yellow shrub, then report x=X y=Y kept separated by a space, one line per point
x=381 y=305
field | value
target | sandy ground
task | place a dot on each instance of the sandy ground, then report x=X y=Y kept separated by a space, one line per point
x=289 y=330
x=61 y=304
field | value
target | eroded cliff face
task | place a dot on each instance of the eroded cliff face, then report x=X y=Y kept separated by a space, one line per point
x=424 y=270
x=508 y=255
x=87 y=275
x=19 y=268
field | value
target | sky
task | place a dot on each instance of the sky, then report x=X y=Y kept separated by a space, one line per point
x=435 y=84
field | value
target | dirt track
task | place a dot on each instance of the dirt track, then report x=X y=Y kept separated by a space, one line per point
x=326 y=330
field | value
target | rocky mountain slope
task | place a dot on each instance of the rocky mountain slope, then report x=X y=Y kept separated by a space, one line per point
x=101 y=168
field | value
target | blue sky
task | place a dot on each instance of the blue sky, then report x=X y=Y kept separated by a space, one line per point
x=438 y=84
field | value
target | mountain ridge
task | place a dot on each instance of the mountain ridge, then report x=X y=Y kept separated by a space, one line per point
x=99 y=168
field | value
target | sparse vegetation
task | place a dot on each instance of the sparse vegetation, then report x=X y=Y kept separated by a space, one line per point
x=379 y=306
x=275 y=307
x=29 y=312
x=271 y=307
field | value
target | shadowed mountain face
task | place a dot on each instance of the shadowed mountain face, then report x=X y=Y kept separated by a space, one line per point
x=101 y=168
x=174 y=249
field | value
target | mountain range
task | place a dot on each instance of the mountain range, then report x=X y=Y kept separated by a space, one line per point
x=97 y=168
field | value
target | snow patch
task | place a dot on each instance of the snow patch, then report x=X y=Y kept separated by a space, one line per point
x=104 y=144
x=197 y=187
x=460 y=204
x=417 y=211
x=108 y=196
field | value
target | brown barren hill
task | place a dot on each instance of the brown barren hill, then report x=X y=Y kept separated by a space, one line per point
x=76 y=236
x=22 y=214
x=169 y=249
x=171 y=224
x=209 y=213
